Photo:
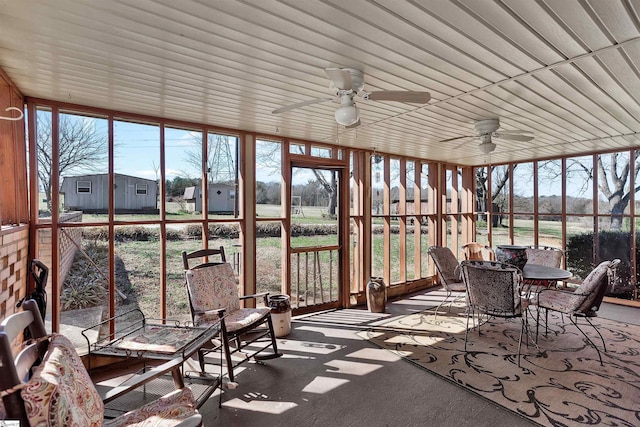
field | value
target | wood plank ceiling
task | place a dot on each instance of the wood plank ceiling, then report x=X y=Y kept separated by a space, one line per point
x=567 y=70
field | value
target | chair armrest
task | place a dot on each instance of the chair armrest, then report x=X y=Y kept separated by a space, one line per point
x=264 y=295
x=139 y=380
x=218 y=311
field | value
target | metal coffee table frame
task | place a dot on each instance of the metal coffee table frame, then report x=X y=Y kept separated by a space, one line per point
x=134 y=335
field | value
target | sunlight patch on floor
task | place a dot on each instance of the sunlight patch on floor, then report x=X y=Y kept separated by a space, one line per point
x=321 y=385
x=266 y=406
x=308 y=347
x=351 y=368
x=378 y=354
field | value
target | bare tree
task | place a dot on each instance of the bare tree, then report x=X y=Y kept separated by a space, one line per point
x=80 y=147
x=500 y=178
x=269 y=160
x=613 y=180
x=613 y=183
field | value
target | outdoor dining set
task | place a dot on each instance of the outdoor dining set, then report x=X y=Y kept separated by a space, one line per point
x=513 y=281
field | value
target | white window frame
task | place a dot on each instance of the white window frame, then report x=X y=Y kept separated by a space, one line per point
x=83 y=185
x=142 y=189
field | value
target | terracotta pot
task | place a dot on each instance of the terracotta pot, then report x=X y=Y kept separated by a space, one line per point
x=376 y=295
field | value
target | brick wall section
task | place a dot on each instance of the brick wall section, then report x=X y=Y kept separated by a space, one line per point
x=13 y=268
x=67 y=249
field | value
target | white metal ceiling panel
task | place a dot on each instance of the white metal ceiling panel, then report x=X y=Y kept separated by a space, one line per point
x=568 y=70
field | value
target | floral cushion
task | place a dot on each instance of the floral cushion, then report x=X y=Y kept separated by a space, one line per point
x=234 y=320
x=213 y=287
x=493 y=287
x=448 y=268
x=548 y=257
x=583 y=298
x=60 y=392
x=167 y=411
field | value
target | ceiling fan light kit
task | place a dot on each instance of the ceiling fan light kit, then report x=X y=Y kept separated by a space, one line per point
x=347 y=115
x=487 y=147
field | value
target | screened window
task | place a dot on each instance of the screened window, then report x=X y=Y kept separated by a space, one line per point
x=83 y=187
x=141 y=189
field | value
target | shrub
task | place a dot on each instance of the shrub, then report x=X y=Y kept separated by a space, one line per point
x=611 y=245
x=82 y=295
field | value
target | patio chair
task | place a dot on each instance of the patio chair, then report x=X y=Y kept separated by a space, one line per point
x=493 y=289
x=47 y=384
x=543 y=255
x=583 y=302
x=448 y=270
x=204 y=254
x=478 y=251
x=213 y=295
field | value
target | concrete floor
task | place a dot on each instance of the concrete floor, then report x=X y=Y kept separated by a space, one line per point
x=329 y=376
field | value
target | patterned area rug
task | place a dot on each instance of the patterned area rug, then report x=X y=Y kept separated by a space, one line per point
x=563 y=384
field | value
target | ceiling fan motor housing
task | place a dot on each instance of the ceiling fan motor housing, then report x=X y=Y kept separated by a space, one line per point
x=486 y=126
x=357 y=81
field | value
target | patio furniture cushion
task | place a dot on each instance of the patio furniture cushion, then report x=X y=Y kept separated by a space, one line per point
x=448 y=267
x=60 y=391
x=582 y=299
x=212 y=288
x=543 y=255
x=233 y=320
x=169 y=410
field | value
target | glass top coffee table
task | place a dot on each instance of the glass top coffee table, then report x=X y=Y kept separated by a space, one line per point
x=148 y=339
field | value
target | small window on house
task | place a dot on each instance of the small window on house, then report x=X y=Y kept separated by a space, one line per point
x=232 y=194
x=141 y=189
x=83 y=187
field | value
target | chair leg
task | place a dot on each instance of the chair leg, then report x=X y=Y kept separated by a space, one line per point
x=227 y=350
x=589 y=339
x=546 y=322
x=466 y=332
x=442 y=302
x=273 y=336
x=604 y=345
x=201 y=360
x=520 y=339
x=274 y=344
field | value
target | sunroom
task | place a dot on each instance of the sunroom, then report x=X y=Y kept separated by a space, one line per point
x=338 y=143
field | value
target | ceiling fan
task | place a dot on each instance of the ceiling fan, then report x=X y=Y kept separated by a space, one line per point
x=348 y=85
x=487 y=130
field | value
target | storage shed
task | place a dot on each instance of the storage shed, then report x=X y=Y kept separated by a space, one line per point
x=222 y=198
x=89 y=193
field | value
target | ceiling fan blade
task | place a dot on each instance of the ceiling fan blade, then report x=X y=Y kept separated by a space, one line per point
x=456 y=138
x=355 y=125
x=400 y=96
x=340 y=78
x=464 y=141
x=301 y=104
x=523 y=138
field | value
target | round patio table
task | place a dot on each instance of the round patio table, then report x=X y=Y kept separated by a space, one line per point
x=543 y=272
